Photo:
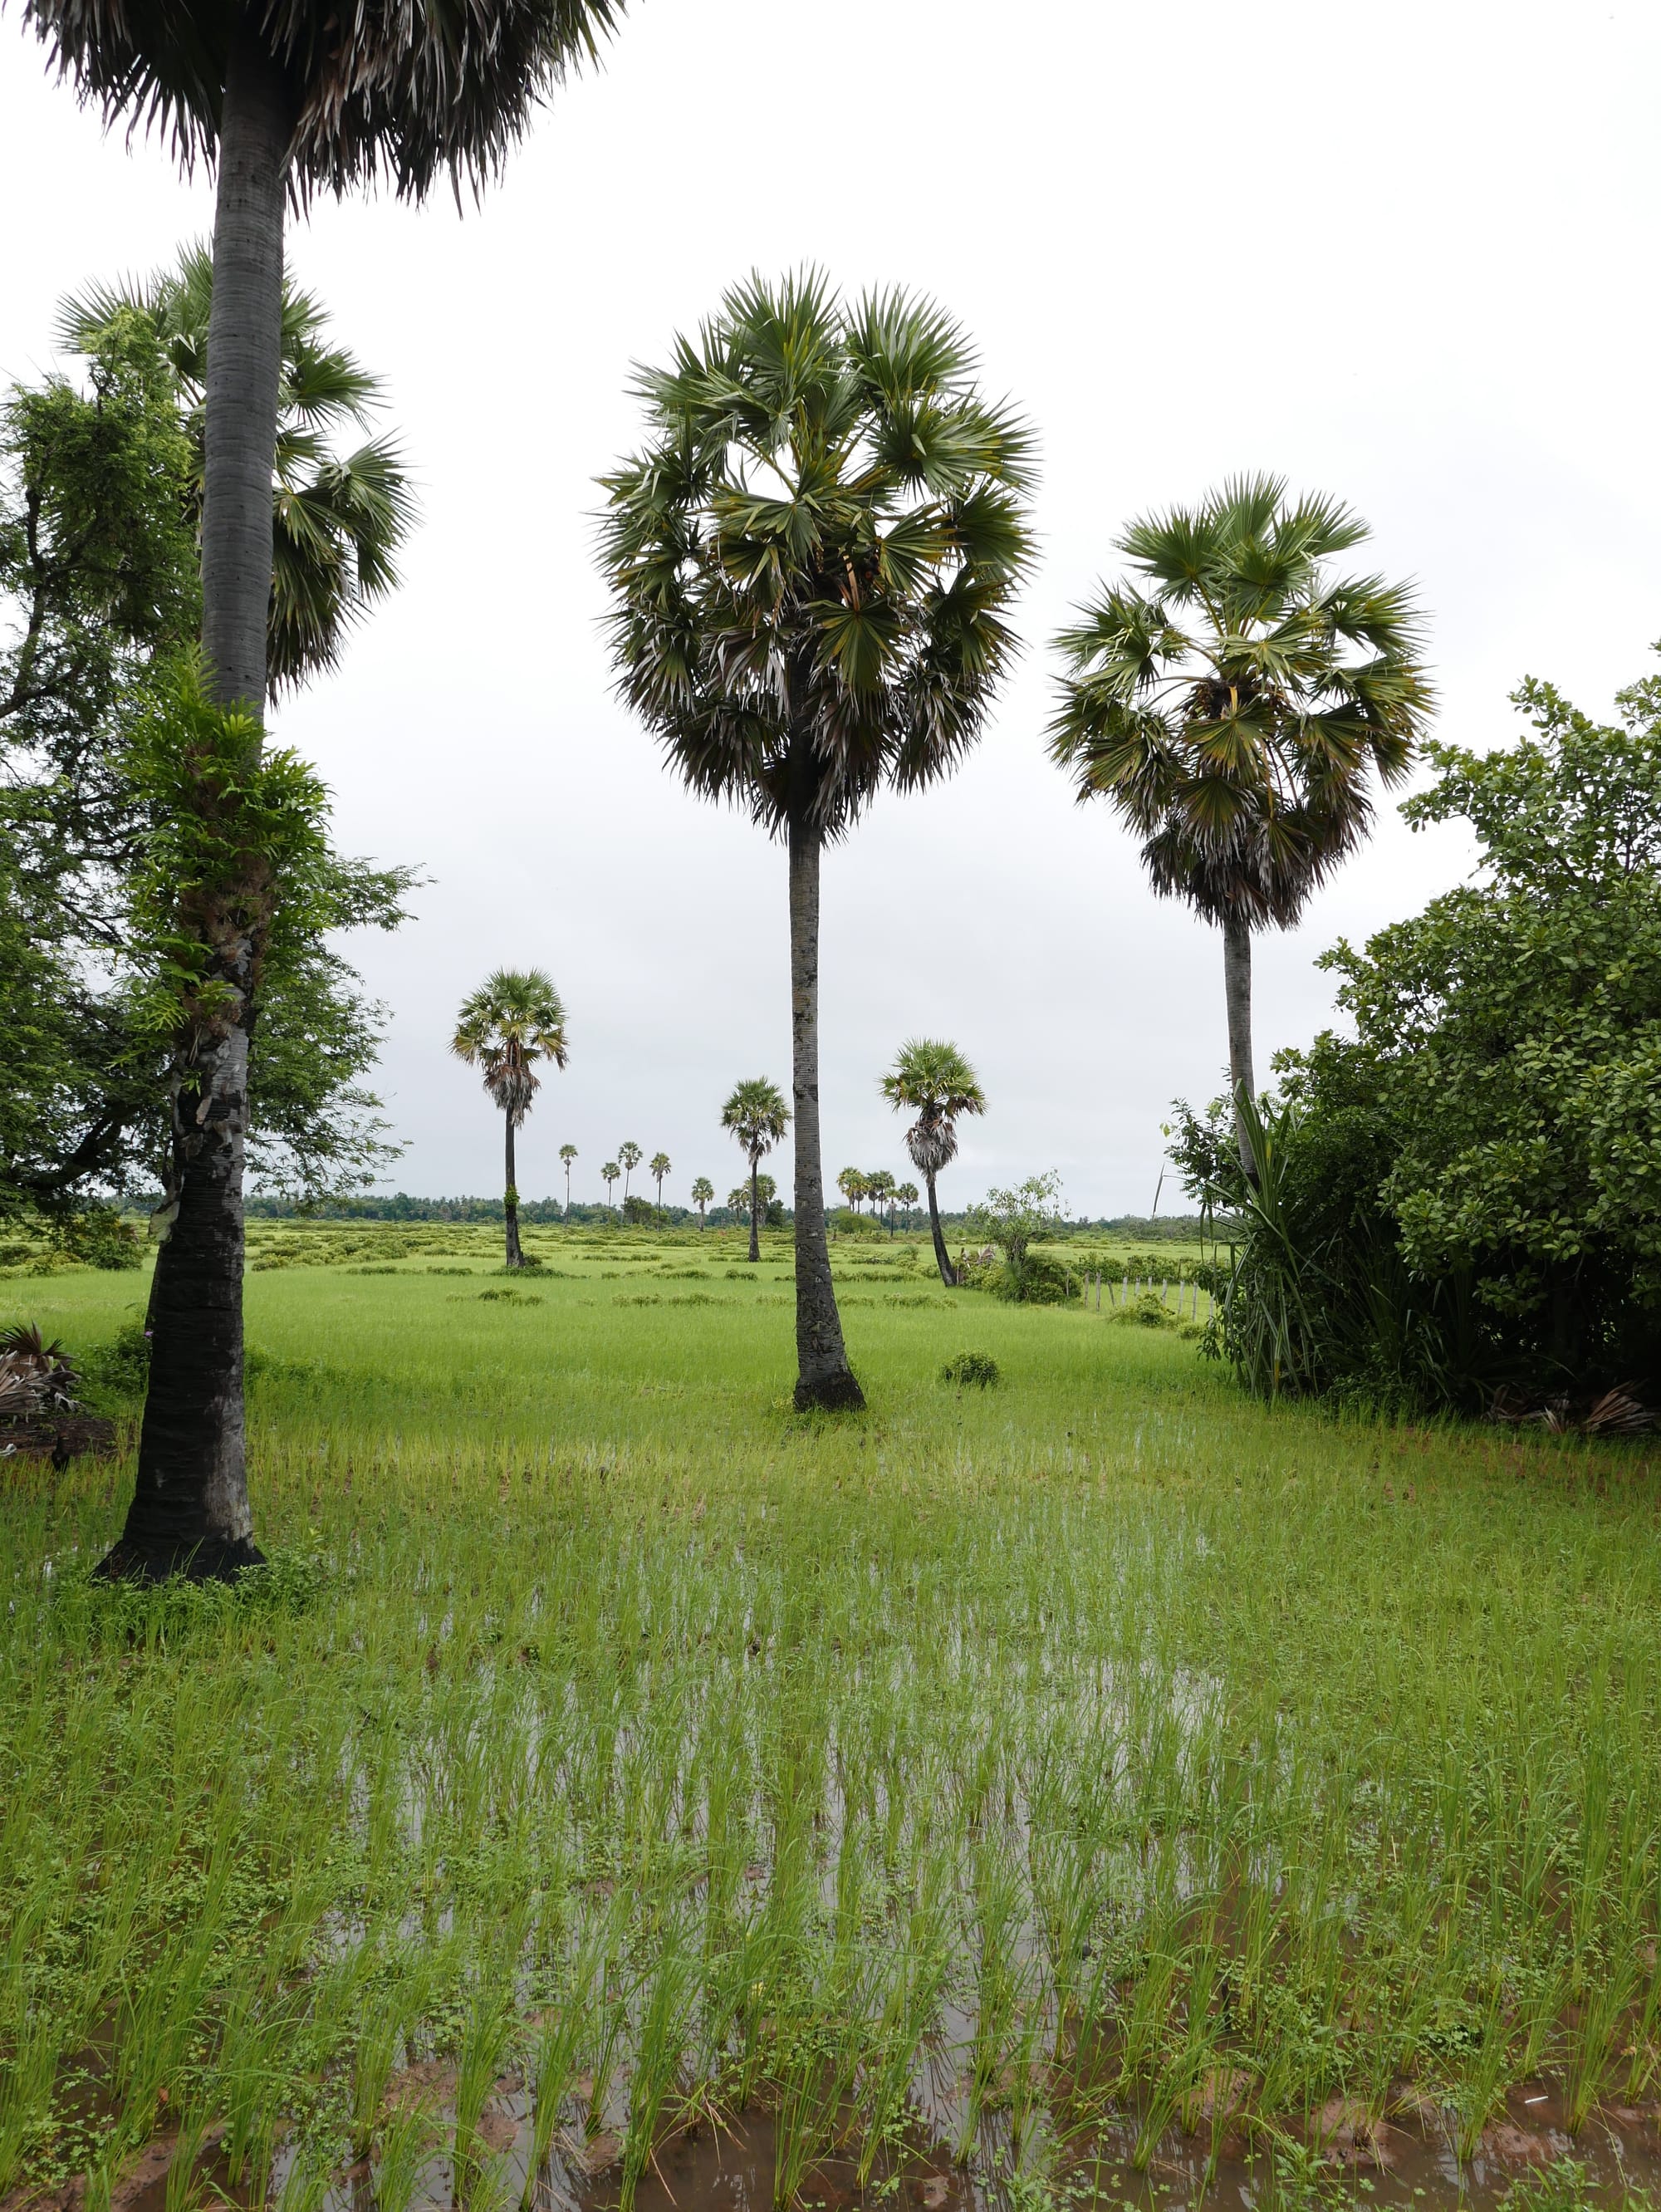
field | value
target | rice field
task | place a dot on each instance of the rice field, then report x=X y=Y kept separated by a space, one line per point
x=1089 y=1789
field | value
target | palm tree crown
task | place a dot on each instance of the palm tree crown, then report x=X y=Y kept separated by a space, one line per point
x=338 y=520
x=932 y=1079
x=1232 y=697
x=406 y=92
x=513 y=1021
x=810 y=559
x=757 y=1115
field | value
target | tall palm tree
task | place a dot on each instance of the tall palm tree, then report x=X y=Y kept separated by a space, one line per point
x=286 y=100
x=609 y=1175
x=1232 y=700
x=506 y=1028
x=702 y=1191
x=757 y=1115
x=337 y=519
x=657 y=1167
x=630 y=1155
x=567 y=1153
x=933 y=1080
x=906 y=1195
x=810 y=562
x=880 y=1188
x=851 y=1182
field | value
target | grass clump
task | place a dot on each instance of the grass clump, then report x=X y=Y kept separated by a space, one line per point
x=972 y=1370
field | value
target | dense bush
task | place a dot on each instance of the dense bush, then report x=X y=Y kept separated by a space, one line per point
x=1461 y=1204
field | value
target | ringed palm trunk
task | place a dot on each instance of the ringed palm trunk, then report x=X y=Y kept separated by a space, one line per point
x=755 y=1208
x=513 y=1257
x=1237 y=990
x=947 y=1273
x=824 y=1377
x=189 y=1509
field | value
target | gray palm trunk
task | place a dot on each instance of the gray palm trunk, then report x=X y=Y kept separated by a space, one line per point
x=514 y=1257
x=755 y=1208
x=189 y=1509
x=824 y=1377
x=947 y=1273
x=1237 y=990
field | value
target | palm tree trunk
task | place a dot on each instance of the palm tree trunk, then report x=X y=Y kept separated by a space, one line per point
x=190 y=1508
x=514 y=1257
x=947 y=1273
x=824 y=1377
x=1237 y=990
x=755 y=1208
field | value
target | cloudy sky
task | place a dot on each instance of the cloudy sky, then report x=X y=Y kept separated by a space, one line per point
x=1404 y=255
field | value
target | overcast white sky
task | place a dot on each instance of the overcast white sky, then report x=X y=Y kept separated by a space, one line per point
x=1406 y=255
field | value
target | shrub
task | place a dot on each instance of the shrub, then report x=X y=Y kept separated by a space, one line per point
x=972 y=1370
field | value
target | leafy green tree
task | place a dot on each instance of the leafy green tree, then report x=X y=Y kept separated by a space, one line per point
x=1467 y=1192
x=609 y=1175
x=567 y=1153
x=513 y=1023
x=932 y=1079
x=810 y=560
x=1014 y=1220
x=630 y=1155
x=1232 y=700
x=757 y=1116
x=702 y=1191
x=657 y=1167
x=338 y=518
x=284 y=103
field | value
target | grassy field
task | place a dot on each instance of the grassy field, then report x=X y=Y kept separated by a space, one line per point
x=1095 y=1786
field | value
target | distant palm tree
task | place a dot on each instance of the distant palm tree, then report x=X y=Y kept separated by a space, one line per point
x=702 y=1191
x=284 y=101
x=933 y=1080
x=609 y=1175
x=631 y=1156
x=757 y=1203
x=757 y=1115
x=851 y=1184
x=907 y=1194
x=1231 y=701
x=811 y=563
x=506 y=1028
x=880 y=1189
x=567 y=1153
x=658 y=1168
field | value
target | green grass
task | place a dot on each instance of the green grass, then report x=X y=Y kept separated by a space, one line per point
x=1072 y=1743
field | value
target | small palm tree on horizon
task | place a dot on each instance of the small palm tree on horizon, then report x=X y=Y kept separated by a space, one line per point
x=1232 y=700
x=657 y=1167
x=757 y=1116
x=567 y=1153
x=702 y=1191
x=932 y=1079
x=630 y=1155
x=609 y=1175
x=513 y=1021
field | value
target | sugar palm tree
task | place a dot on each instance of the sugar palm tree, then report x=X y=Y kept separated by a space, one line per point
x=810 y=562
x=1232 y=700
x=657 y=1167
x=507 y=1029
x=286 y=100
x=851 y=1182
x=630 y=1155
x=932 y=1079
x=567 y=1153
x=758 y=1117
x=880 y=1188
x=338 y=518
x=609 y=1175
x=702 y=1191
x=906 y=1195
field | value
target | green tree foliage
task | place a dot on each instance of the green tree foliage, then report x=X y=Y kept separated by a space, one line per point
x=1464 y=1201
x=99 y=592
x=1014 y=1220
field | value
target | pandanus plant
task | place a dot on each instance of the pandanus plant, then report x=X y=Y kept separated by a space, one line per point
x=933 y=1080
x=810 y=560
x=507 y=1029
x=286 y=98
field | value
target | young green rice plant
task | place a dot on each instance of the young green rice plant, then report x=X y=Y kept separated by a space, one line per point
x=403 y=2150
x=487 y=2040
x=658 y=2058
